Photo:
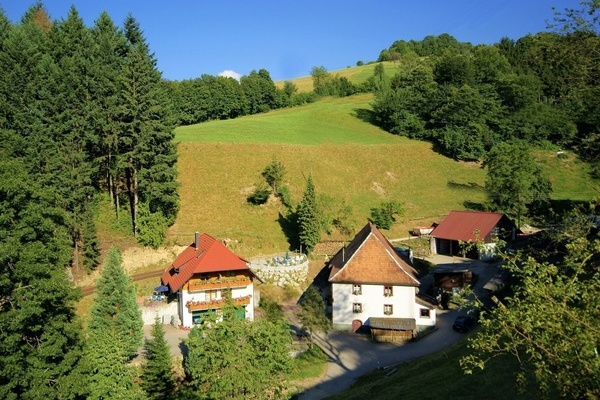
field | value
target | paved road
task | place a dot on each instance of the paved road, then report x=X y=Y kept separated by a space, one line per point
x=351 y=356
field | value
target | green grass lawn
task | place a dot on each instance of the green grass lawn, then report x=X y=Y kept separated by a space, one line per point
x=439 y=376
x=352 y=162
x=328 y=121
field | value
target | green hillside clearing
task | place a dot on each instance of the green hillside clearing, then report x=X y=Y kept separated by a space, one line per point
x=356 y=75
x=352 y=162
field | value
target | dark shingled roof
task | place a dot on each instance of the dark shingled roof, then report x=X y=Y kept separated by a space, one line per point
x=397 y=324
x=370 y=259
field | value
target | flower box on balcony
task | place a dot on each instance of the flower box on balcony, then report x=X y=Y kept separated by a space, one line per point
x=196 y=285
x=214 y=304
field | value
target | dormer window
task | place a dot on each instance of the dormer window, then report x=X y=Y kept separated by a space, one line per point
x=357 y=289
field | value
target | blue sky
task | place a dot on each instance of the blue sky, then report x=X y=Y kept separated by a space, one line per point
x=288 y=38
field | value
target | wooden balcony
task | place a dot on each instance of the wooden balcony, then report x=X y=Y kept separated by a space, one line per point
x=215 y=304
x=199 y=285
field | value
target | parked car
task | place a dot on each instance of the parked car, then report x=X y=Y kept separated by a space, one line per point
x=463 y=323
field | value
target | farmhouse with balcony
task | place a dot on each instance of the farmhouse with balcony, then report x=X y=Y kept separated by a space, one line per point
x=373 y=285
x=204 y=275
x=473 y=232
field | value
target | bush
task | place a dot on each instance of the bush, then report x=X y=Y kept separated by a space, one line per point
x=151 y=227
x=286 y=196
x=383 y=216
x=260 y=195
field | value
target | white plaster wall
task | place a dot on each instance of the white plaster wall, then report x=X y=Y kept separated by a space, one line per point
x=424 y=321
x=185 y=296
x=163 y=312
x=373 y=301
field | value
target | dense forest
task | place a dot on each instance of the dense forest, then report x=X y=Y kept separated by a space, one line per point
x=541 y=89
x=83 y=117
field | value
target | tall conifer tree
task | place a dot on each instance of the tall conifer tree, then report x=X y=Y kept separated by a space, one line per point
x=115 y=306
x=309 y=225
x=157 y=377
x=39 y=339
x=146 y=144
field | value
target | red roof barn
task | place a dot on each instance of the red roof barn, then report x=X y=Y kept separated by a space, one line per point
x=470 y=226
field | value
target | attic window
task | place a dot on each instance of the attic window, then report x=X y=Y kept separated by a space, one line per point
x=388 y=291
x=357 y=289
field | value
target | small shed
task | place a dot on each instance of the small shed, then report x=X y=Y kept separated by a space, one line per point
x=451 y=277
x=392 y=330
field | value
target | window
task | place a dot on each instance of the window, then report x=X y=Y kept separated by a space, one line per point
x=357 y=308
x=425 y=313
x=388 y=291
x=388 y=309
x=211 y=294
x=357 y=289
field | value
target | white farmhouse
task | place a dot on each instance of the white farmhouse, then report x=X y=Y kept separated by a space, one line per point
x=374 y=286
x=204 y=275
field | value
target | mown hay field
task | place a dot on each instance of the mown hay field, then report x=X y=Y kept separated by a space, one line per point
x=356 y=75
x=352 y=162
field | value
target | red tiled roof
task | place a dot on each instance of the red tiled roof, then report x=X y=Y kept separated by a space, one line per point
x=370 y=259
x=462 y=225
x=210 y=256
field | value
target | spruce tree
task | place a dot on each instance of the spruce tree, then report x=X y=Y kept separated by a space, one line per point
x=309 y=221
x=40 y=343
x=157 y=377
x=148 y=154
x=106 y=369
x=115 y=306
x=108 y=63
x=68 y=161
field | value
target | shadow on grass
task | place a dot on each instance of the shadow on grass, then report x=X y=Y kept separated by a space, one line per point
x=289 y=227
x=471 y=205
x=470 y=185
x=365 y=115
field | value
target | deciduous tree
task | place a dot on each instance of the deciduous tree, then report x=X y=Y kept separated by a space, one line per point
x=237 y=359
x=550 y=322
x=514 y=182
x=385 y=215
x=273 y=174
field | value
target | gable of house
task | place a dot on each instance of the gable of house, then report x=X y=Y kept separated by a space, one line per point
x=370 y=259
x=205 y=255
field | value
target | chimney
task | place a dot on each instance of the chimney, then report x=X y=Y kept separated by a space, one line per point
x=196 y=240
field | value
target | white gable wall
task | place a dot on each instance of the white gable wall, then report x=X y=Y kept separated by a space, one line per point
x=373 y=300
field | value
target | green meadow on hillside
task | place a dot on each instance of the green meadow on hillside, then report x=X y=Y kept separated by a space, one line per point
x=352 y=162
x=356 y=75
